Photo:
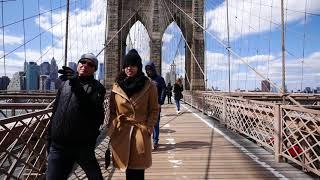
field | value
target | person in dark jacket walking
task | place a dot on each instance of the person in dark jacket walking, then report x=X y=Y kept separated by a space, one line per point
x=77 y=115
x=161 y=87
x=177 y=90
x=169 y=92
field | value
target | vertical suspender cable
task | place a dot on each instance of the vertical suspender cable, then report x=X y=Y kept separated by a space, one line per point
x=248 y=49
x=39 y=20
x=24 y=36
x=304 y=41
x=61 y=28
x=52 y=44
x=105 y=44
x=76 y=17
x=66 y=40
x=270 y=36
x=3 y=46
x=283 y=49
x=229 y=73
x=204 y=46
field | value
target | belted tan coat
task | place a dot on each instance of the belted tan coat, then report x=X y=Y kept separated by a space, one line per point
x=130 y=120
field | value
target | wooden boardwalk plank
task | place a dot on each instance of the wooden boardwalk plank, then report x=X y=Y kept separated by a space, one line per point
x=190 y=149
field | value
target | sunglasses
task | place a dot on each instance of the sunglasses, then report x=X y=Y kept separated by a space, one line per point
x=89 y=63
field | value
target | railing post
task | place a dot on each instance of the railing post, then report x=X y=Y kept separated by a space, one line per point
x=277 y=133
x=224 y=110
x=203 y=104
x=191 y=99
x=13 y=112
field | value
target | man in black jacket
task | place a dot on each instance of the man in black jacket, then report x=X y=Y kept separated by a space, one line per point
x=78 y=113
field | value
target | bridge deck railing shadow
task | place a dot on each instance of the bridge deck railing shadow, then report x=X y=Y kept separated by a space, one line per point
x=292 y=133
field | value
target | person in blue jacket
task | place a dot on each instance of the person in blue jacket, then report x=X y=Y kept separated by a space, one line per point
x=161 y=87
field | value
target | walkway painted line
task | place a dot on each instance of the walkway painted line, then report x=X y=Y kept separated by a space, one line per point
x=175 y=163
x=243 y=149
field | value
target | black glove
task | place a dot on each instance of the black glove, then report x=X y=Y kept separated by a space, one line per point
x=67 y=73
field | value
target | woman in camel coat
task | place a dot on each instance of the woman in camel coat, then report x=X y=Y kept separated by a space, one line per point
x=133 y=114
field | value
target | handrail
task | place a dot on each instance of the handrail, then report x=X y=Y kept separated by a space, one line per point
x=295 y=137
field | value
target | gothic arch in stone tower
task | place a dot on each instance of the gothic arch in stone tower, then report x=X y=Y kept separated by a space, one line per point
x=155 y=16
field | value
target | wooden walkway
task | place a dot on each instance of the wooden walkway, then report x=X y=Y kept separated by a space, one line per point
x=193 y=149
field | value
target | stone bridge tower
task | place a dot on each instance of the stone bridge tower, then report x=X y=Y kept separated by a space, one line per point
x=155 y=16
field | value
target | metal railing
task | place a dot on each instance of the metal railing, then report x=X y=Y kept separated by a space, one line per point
x=289 y=131
x=23 y=149
x=23 y=146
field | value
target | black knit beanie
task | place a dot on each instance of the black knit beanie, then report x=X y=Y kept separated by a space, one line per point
x=133 y=58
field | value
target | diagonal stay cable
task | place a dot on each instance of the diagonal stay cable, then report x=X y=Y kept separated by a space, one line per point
x=33 y=16
x=177 y=48
x=135 y=12
x=38 y=35
x=228 y=48
x=201 y=69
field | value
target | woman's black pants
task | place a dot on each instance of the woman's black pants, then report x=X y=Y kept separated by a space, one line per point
x=135 y=174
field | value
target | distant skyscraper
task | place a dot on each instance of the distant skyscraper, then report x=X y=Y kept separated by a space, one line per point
x=16 y=83
x=101 y=72
x=53 y=74
x=23 y=81
x=167 y=77
x=307 y=90
x=52 y=85
x=45 y=68
x=173 y=75
x=265 y=86
x=4 y=82
x=42 y=83
x=53 y=70
x=25 y=64
x=32 y=76
x=72 y=65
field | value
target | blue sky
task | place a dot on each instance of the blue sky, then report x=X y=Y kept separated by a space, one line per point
x=255 y=35
x=86 y=24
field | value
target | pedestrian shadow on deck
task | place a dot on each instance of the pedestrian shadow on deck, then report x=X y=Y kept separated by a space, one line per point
x=167 y=131
x=182 y=146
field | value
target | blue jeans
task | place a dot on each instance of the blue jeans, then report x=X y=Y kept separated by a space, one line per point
x=156 y=130
x=62 y=159
x=177 y=101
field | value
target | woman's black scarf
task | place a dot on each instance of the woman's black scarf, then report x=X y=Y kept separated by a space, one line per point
x=131 y=85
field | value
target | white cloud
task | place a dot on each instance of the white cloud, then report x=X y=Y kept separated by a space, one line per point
x=249 y=17
x=179 y=62
x=167 y=37
x=242 y=75
x=86 y=34
x=165 y=66
x=12 y=66
x=11 y=39
x=257 y=59
x=138 y=39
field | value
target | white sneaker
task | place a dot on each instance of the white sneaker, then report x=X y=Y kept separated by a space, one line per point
x=178 y=112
